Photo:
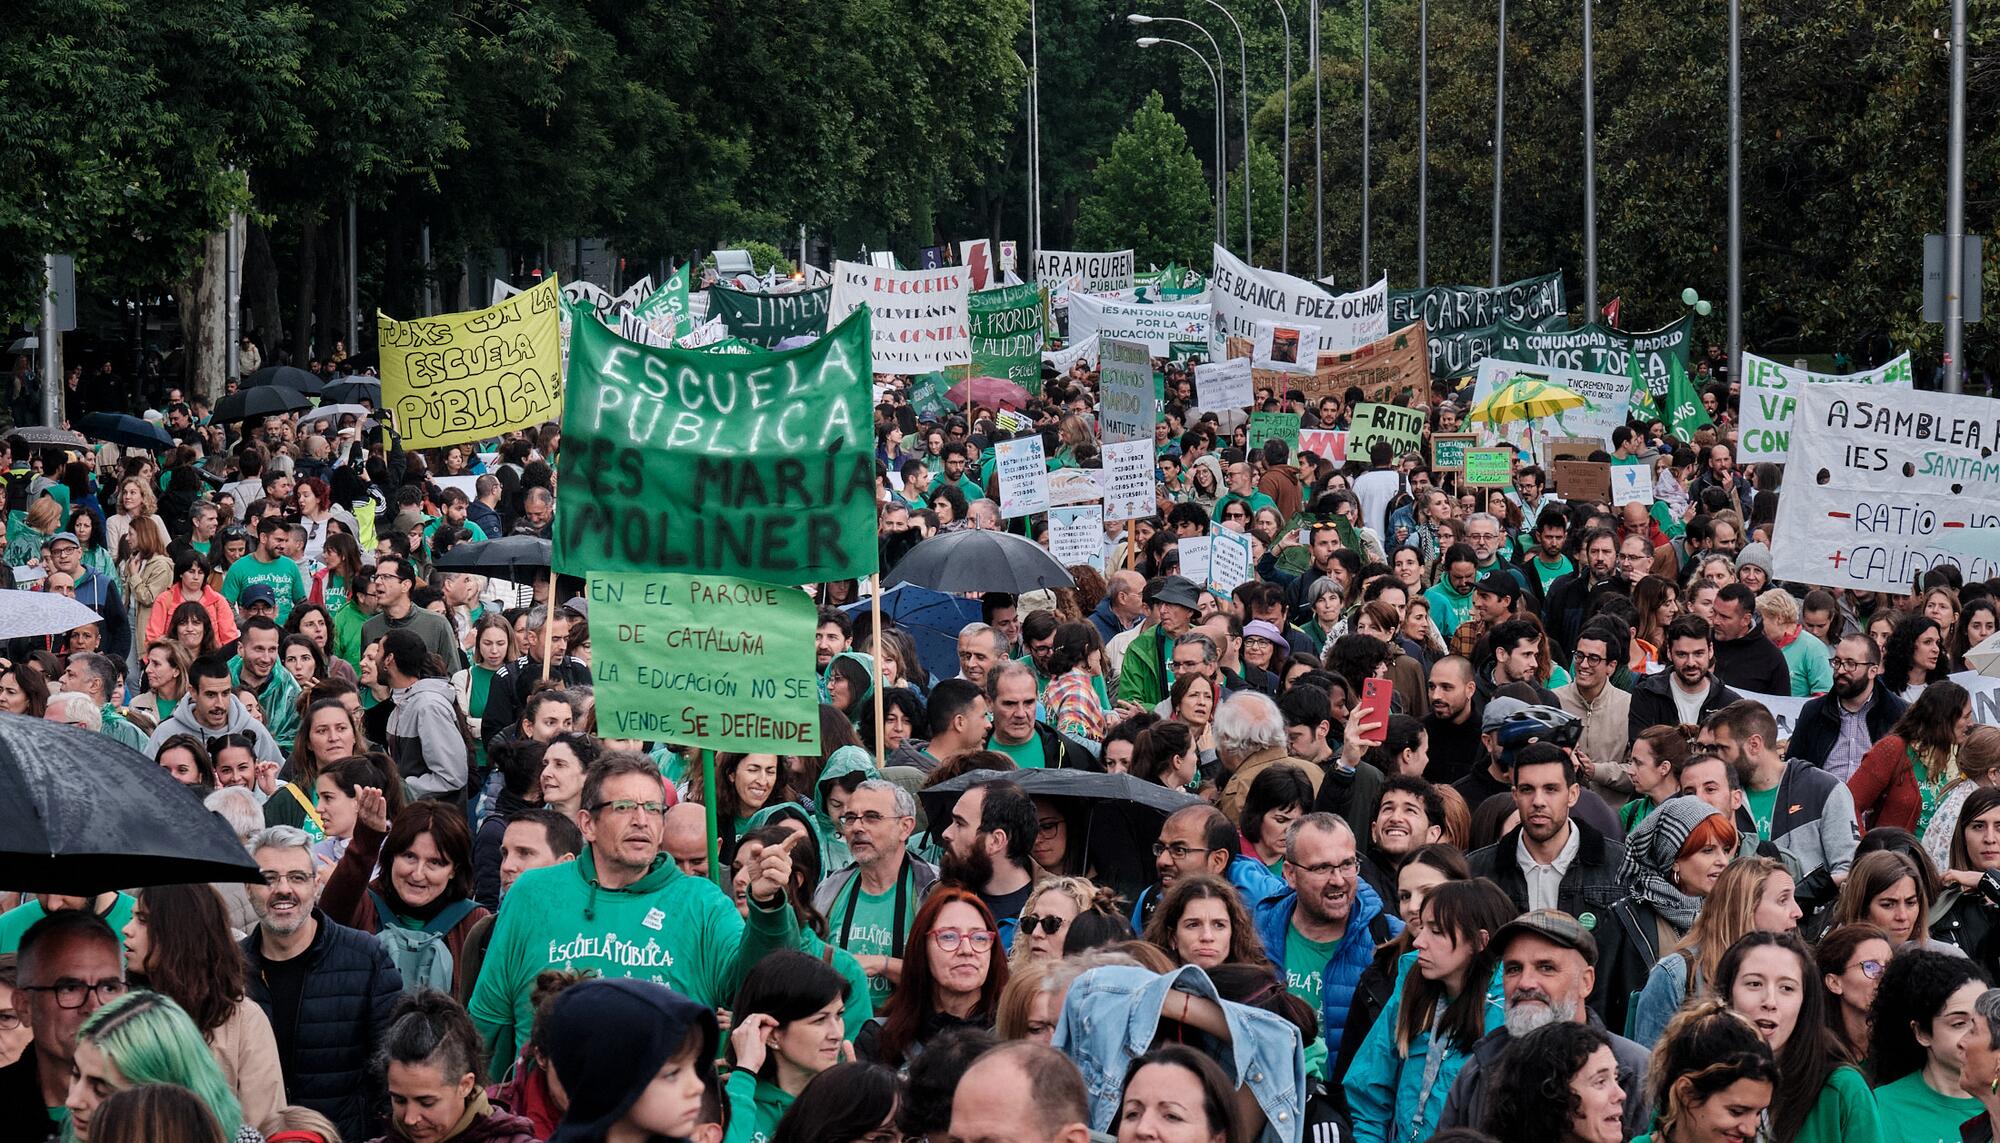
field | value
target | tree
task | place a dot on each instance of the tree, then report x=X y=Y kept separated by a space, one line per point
x=1150 y=193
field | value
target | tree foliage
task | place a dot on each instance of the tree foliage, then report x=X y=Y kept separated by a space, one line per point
x=1150 y=193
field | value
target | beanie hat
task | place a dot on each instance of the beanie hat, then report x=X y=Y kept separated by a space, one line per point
x=1755 y=555
x=607 y=1039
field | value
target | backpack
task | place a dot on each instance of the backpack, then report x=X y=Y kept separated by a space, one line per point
x=420 y=955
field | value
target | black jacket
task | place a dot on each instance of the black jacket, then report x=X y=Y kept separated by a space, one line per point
x=1653 y=703
x=486 y=848
x=1819 y=724
x=1628 y=943
x=512 y=684
x=1569 y=598
x=1969 y=920
x=1590 y=887
x=1059 y=753
x=343 y=1010
x=1753 y=663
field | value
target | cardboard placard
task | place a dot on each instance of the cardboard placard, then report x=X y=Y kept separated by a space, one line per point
x=1571 y=448
x=1488 y=467
x=1582 y=479
x=1448 y=450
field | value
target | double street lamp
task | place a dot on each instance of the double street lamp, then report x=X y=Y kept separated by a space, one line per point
x=1221 y=192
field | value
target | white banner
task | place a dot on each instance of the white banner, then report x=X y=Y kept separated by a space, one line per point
x=1075 y=486
x=1024 y=476
x=1226 y=384
x=1125 y=402
x=1084 y=350
x=1609 y=398
x=1243 y=295
x=1128 y=480
x=1076 y=535
x=1771 y=394
x=1880 y=489
x=918 y=317
x=1631 y=484
x=1153 y=325
x=1090 y=273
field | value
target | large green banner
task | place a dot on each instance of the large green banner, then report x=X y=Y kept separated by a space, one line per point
x=758 y=465
x=710 y=661
x=767 y=319
x=1463 y=322
x=1600 y=349
x=1006 y=327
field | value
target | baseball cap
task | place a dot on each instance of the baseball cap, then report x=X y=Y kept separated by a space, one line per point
x=258 y=593
x=1498 y=711
x=64 y=537
x=1502 y=584
x=1551 y=925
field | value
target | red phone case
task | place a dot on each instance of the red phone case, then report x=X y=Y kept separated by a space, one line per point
x=1375 y=708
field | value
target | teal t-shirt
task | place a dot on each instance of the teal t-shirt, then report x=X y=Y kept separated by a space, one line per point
x=1305 y=960
x=1763 y=805
x=1027 y=755
x=16 y=922
x=287 y=583
x=1255 y=501
x=1920 y=1114
x=1547 y=574
x=865 y=925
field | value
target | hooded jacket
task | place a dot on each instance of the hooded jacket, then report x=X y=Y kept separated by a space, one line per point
x=678 y=930
x=96 y=591
x=608 y=1039
x=182 y=721
x=1367 y=926
x=425 y=742
x=486 y=847
x=844 y=763
x=1753 y=663
x=1399 y=1098
x=279 y=696
x=755 y=1107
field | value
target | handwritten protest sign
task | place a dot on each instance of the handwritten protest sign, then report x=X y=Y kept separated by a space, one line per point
x=755 y=464
x=710 y=661
x=1607 y=398
x=1006 y=332
x=1226 y=384
x=1075 y=486
x=1272 y=426
x=1448 y=450
x=767 y=319
x=1402 y=428
x=1487 y=467
x=1880 y=489
x=1128 y=480
x=469 y=376
x=1076 y=535
x=1228 y=559
x=1125 y=405
x=1196 y=557
x=1770 y=399
x=1384 y=369
x=1585 y=481
x=1244 y=295
x=1024 y=476
x=1157 y=326
x=672 y=301
x=919 y=316
x=1631 y=484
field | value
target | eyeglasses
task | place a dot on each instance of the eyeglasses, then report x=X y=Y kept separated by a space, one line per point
x=1320 y=872
x=627 y=805
x=1046 y=827
x=72 y=993
x=1850 y=665
x=1873 y=969
x=9 y=1019
x=1586 y=659
x=949 y=939
x=1180 y=852
x=1047 y=925
x=871 y=819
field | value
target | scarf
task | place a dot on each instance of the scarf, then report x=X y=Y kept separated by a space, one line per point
x=1650 y=851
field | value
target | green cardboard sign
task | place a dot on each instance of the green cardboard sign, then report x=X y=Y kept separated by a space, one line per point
x=1486 y=467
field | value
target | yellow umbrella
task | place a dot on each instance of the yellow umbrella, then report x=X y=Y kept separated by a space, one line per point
x=1526 y=398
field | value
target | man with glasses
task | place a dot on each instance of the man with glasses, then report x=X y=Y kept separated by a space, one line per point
x=870 y=904
x=1837 y=728
x=1605 y=710
x=1324 y=929
x=1201 y=840
x=70 y=966
x=98 y=592
x=1242 y=490
x=1635 y=555
x=326 y=988
x=623 y=908
x=395 y=578
x=1485 y=535
x=1569 y=596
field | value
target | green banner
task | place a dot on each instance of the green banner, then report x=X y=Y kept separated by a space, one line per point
x=1462 y=323
x=767 y=319
x=927 y=397
x=1268 y=426
x=1601 y=349
x=1684 y=409
x=671 y=298
x=753 y=464
x=709 y=661
x=1488 y=467
x=1006 y=329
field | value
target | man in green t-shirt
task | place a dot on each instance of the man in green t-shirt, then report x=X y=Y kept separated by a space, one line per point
x=1546 y=562
x=1243 y=487
x=871 y=904
x=1011 y=694
x=267 y=565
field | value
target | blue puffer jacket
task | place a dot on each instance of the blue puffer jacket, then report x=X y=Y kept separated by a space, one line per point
x=1254 y=884
x=1400 y=1099
x=1367 y=926
x=350 y=986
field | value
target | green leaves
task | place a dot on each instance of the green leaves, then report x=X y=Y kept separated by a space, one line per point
x=1150 y=193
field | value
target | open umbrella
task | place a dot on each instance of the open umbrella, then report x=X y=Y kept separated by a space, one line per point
x=988 y=393
x=352 y=390
x=125 y=429
x=46 y=436
x=327 y=412
x=28 y=613
x=504 y=554
x=290 y=376
x=1115 y=818
x=1524 y=399
x=81 y=815
x=933 y=620
x=974 y=560
x=263 y=401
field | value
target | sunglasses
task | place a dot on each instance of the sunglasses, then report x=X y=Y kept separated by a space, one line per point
x=1046 y=925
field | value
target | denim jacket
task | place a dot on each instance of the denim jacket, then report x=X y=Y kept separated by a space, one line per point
x=1112 y=1014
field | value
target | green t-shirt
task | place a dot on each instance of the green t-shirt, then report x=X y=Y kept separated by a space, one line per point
x=1549 y=573
x=286 y=582
x=1763 y=805
x=1255 y=500
x=16 y=922
x=865 y=925
x=1305 y=960
x=1027 y=755
x=1920 y=1114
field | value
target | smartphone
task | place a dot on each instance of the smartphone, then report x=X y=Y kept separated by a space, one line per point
x=1375 y=708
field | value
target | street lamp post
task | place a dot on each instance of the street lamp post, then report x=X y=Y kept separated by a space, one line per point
x=1221 y=194
x=1500 y=133
x=1423 y=142
x=1954 y=214
x=1735 y=190
x=1243 y=90
x=1367 y=17
x=1590 y=311
x=1034 y=129
x=1285 y=220
x=1319 y=149
x=1139 y=19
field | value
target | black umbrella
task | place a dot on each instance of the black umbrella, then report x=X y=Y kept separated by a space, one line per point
x=352 y=391
x=975 y=560
x=47 y=436
x=125 y=429
x=504 y=554
x=289 y=376
x=81 y=815
x=1116 y=818
x=263 y=401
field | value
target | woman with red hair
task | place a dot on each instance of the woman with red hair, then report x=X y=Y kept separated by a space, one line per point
x=1672 y=862
x=955 y=983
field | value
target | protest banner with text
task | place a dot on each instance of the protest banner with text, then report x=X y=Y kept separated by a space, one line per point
x=1600 y=349
x=470 y=376
x=1607 y=397
x=1006 y=331
x=1226 y=384
x=1129 y=487
x=1402 y=428
x=1384 y=370
x=1446 y=310
x=1066 y=271
x=919 y=316
x=1024 y=476
x=1487 y=467
x=758 y=465
x=1076 y=535
x=1156 y=326
x=1243 y=295
x=1771 y=395
x=1272 y=426
x=709 y=661
x=1126 y=408
x=767 y=319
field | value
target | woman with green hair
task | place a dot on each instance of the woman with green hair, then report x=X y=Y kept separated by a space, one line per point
x=143 y=1037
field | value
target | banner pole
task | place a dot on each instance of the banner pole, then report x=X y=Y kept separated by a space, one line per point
x=549 y=626
x=875 y=615
x=708 y=806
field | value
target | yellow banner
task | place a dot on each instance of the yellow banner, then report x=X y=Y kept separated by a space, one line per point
x=470 y=376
